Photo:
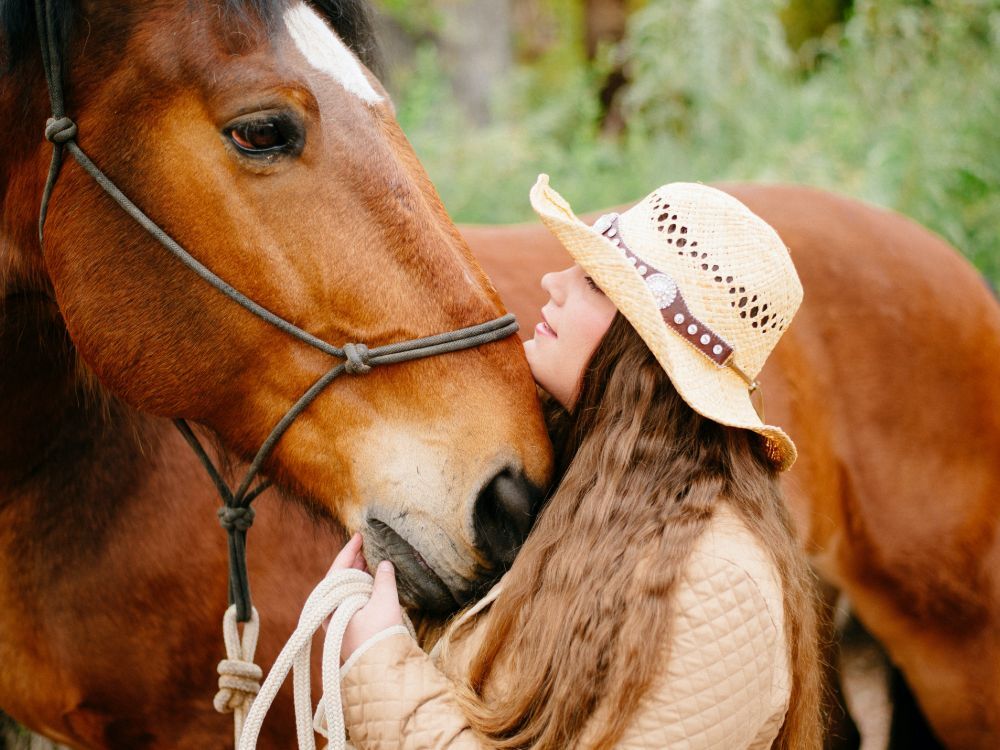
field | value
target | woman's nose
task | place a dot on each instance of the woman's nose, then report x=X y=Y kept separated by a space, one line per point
x=550 y=283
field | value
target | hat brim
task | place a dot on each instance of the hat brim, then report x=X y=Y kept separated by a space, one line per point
x=716 y=392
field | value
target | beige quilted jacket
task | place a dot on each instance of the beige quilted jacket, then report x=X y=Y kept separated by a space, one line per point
x=725 y=683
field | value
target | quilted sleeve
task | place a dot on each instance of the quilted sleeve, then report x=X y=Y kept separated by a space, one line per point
x=396 y=699
x=716 y=689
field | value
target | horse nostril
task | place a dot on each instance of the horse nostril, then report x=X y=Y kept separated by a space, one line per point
x=503 y=516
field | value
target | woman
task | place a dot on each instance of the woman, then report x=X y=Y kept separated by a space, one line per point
x=660 y=600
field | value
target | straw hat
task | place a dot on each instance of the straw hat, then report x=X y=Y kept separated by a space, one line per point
x=708 y=285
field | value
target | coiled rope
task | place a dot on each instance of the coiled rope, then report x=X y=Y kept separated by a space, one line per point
x=341 y=593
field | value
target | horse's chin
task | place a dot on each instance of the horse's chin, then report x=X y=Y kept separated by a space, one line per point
x=420 y=586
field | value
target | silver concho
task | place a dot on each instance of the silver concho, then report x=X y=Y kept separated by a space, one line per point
x=603 y=224
x=663 y=288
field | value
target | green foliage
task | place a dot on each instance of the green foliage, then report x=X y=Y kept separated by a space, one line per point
x=414 y=16
x=900 y=109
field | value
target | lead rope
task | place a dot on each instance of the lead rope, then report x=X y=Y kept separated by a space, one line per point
x=341 y=593
x=239 y=677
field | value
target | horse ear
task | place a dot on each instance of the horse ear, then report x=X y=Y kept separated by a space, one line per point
x=354 y=22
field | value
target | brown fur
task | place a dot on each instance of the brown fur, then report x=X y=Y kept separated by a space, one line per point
x=590 y=593
x=112 y=563
x=889 y=383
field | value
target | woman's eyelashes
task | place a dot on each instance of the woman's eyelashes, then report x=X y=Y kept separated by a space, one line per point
x=592 y=285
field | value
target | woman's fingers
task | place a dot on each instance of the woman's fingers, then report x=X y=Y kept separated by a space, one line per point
x=382 y=611
x=348 y=556
x=384 y=591
x=384 y=604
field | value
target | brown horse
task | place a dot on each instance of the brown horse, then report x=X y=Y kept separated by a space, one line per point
x=253 y=136
x=889 y=382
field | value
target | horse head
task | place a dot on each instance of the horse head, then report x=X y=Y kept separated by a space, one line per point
x=252 y=133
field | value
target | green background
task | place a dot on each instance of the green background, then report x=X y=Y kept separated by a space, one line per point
x=896 y=102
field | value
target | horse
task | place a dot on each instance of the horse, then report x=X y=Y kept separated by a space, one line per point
x=889 y=382
x=254 y=135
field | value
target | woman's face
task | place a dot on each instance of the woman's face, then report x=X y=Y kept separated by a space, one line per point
x=576 y=317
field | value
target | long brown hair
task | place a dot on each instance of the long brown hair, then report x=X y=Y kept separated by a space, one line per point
x=591 y=588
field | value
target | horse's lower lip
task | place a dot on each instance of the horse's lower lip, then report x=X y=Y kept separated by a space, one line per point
x=418 y=583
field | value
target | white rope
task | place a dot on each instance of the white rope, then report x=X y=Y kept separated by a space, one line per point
x=239 y=677
x=341 y=593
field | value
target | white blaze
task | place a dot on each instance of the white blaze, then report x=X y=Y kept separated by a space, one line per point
x=325 y=52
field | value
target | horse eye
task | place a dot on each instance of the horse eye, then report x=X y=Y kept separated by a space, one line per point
x=258 y=136
x=266 y=134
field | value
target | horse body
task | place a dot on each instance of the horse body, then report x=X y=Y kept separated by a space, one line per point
x=114 y=587
x=254 y=137
x=889 y=382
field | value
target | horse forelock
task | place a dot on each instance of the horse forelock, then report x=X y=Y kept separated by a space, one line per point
x=351 y=19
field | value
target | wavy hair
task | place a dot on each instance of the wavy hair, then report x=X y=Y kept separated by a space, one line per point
x=641 y=476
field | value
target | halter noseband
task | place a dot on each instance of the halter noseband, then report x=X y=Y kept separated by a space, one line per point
x=236 y=516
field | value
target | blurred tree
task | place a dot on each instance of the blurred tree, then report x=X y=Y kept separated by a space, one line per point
x=604 y=23
x=604 y=27
x=472 y=40
x=403 y=27
x=808 y=19
x=537 y=29
x=476 y=50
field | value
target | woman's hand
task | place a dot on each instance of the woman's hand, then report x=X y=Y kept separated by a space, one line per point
x=382 y=610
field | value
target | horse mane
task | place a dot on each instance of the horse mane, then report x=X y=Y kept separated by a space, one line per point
x=351 y=19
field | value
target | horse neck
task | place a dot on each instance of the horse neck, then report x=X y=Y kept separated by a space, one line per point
x=62 y=436
x=64 y=440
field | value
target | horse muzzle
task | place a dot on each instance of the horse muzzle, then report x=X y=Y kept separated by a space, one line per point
x=426 y=575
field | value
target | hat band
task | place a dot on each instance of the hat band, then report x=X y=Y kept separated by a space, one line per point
x=673 y=308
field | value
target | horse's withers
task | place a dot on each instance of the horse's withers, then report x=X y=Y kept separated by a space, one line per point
x=275 y=159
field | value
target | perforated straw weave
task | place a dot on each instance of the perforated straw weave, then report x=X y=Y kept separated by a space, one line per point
x=729 y=265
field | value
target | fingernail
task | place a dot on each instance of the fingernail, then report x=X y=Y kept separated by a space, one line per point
x=385 y=567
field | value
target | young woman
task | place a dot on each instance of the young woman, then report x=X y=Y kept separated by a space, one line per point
x=660 y=600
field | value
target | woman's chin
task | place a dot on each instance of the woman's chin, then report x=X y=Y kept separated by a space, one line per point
x=529 y=351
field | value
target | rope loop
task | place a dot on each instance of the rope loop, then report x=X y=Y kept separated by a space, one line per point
x=239 y=677
x=236 y=519
x=357 y=359
x=60 y=130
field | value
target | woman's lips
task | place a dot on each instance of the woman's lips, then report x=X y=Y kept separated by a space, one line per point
x=544 y=329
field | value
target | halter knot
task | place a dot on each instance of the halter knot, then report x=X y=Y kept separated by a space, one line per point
x=239 y=682
x=357 y=359
x=239 y=519
x=60 y=130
